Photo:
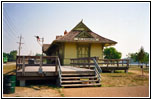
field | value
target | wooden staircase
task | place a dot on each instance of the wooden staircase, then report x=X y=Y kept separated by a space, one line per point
x=79 y=79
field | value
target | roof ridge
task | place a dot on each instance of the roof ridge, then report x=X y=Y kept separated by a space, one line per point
x=81 y=22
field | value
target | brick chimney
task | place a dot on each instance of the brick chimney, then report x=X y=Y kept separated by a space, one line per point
x=65 y=32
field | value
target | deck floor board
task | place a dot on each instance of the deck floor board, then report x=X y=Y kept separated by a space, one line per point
x=52 y=69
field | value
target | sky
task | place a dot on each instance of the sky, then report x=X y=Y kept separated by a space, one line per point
x=126 y=23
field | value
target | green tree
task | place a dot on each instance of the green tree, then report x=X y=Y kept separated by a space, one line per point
x=134 y=57
x=141 y=55
x=5 y=54
x=12 y=56
x=111 y=53
x=146 y=58
x=37 y=54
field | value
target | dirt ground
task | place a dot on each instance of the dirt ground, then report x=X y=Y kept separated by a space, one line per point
x=135 y=86
x=136 y=91
x=33 y=92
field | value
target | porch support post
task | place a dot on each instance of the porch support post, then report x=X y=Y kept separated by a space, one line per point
x=22 y=82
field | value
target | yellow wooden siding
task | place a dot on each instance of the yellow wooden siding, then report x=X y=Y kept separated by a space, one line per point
x=96 y=51
x=70 y=51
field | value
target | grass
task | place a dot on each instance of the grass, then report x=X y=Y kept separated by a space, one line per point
x=9 y=69
x=60 y=92
x=135 y=67
x=120 y=79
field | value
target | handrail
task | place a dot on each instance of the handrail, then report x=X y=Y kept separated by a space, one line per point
x=97 y=69
x=59 y=70
x=97 y=66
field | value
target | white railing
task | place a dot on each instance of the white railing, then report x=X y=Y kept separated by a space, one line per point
x=97 y=69
x=59 y=71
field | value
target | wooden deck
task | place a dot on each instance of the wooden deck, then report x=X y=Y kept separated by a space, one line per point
x=28 y=68
x=49 y=70
x=71 y=74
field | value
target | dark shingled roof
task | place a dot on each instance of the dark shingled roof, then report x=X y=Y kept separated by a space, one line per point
x=46 y=46
x=70 y=37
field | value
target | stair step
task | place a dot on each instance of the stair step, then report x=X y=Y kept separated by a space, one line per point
x=78 y=81
x=69 y=72
x=79 y=77
x=80 y=85
x=77 y=74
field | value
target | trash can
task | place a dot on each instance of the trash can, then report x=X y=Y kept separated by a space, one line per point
x=31 y=61
x=9 y=84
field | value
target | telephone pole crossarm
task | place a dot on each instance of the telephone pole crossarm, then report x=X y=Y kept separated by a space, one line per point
x=20 y=43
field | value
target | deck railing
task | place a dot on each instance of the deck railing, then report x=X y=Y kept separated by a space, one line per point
x=113 y=62
x=25 y=61
x=59 y=71
x=87 y=62
x=83 y=62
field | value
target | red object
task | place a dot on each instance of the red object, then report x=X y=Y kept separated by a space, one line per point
x=38 y=39
x=65 y=32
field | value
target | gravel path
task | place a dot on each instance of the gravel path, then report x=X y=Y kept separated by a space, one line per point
x=136 y=91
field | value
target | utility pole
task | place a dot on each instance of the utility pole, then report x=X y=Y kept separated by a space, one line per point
x=20 y=43
x=41 y=57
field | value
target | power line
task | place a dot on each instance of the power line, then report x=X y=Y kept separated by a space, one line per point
x=12 y=30
x=10 y=27
x=10 y=21
x=9 y=34
x=6 y=36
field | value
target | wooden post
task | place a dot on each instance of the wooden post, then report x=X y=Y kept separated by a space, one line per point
x=117 y=63
x=83 y=61
x=126 y=71
x=16 y=64
x=22 y=82
x=23 y=66
x=72 y=62
x=89 y=63
x=127 y=63
x=142 y=70
x=122 y=63
x=107 y=63
x=56 y=68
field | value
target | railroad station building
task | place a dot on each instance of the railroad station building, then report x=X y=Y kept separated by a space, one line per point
x=79 y=42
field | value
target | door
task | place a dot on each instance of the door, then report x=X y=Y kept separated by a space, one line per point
x=83 y=51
